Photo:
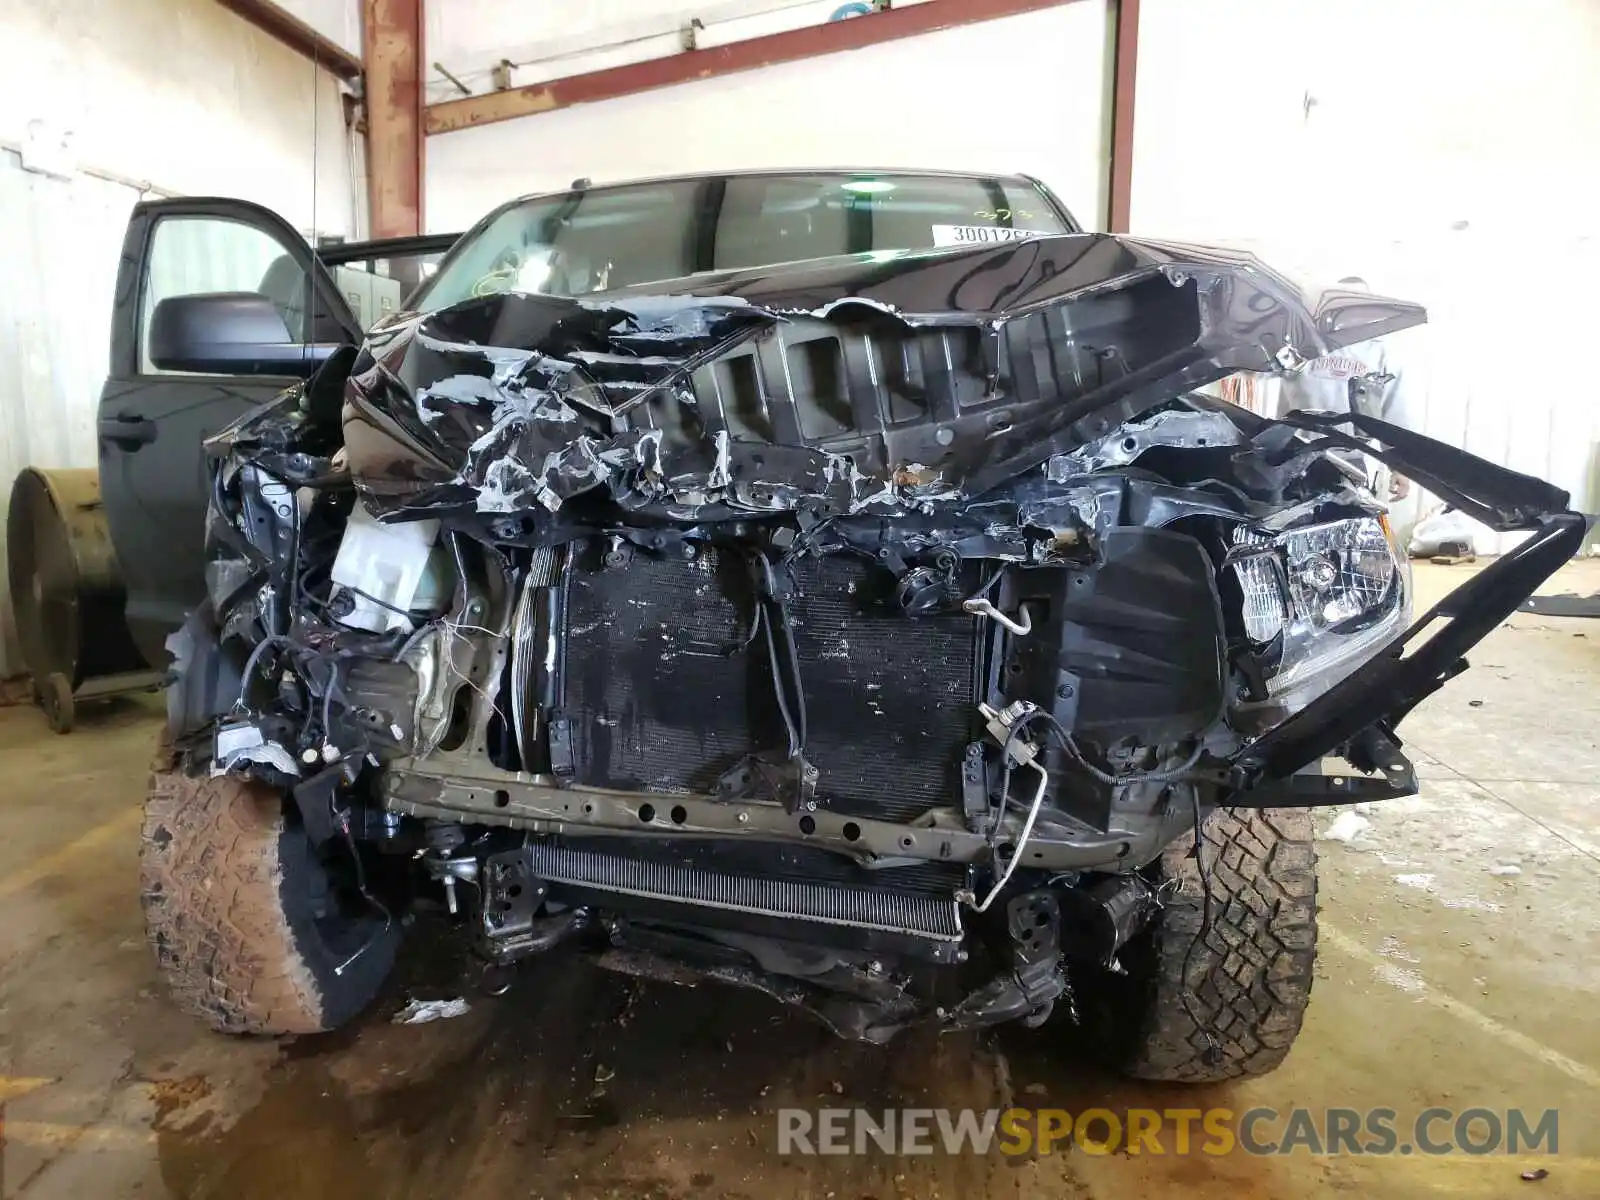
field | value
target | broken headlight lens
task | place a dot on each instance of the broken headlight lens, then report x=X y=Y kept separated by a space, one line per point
x=1325 y=596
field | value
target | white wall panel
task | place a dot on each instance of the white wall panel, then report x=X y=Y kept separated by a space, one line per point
x=337 y=20
x=182 y=93
x=1447 y=154
x=1037 y=104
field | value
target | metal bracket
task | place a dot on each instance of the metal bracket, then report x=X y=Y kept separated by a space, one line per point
x=974 y=787
x=509 y=928
x=1029 y=991
x=791 y=782
x=559 y=732
x=314 y=798
x=1310 y=787
x=510 y=894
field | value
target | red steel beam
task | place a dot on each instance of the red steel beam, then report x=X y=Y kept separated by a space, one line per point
x=1124 y=75
x=391 y=35
x=297 y=35
x=749 y=55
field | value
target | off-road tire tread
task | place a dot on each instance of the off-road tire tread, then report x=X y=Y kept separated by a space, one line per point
x=1249 y=979
x=210 y=876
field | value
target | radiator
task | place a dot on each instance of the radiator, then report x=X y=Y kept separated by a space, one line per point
x=878 y=910
x=662 y=694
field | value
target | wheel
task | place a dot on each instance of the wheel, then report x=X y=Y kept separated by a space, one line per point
x=1227 y=1005
x=55 y=696
x=253 y=932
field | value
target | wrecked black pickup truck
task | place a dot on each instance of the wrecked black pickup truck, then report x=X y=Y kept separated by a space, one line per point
x=829 y=583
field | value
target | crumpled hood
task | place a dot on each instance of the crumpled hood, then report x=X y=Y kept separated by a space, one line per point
x=862 y=384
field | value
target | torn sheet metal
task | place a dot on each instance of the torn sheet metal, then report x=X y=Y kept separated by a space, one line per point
x=840 y=387
x=1183 y=429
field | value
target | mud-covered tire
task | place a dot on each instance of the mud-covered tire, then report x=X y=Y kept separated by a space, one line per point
x=1228 y=1005
x=245 y=926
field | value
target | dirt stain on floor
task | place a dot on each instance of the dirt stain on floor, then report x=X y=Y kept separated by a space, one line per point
x=580 y=1083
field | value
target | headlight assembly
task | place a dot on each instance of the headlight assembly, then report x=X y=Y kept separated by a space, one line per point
x=1320 y=600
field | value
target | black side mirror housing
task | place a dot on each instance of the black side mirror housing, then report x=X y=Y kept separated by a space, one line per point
x=228 y=333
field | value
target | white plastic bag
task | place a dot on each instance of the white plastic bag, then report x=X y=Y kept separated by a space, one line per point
x=1448 y=531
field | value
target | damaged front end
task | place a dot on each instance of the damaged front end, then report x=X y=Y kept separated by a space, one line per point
x=857 y=630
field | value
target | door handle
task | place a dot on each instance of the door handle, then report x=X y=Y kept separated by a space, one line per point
x=128 y=432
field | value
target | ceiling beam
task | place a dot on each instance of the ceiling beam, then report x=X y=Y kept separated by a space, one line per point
x=1124 y=75
x=391 y=38
x=297 y=35
x=828 y=38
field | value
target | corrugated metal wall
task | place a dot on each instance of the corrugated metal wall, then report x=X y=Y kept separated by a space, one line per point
x=60 y=241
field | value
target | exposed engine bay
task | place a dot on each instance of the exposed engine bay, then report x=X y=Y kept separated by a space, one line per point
x=857 y=631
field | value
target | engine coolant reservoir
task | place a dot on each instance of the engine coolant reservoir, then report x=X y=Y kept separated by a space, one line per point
x=387 y=571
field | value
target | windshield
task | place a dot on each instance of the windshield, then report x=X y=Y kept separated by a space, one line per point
x=602 y=238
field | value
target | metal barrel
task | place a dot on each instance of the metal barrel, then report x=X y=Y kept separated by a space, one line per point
x=67 y=592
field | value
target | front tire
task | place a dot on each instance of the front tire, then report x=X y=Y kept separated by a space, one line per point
x=246 y=922
x=1227 y=1005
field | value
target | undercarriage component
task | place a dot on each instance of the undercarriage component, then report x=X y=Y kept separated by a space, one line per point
x=1103 y=916
x=536 y=937
x=1028 y=991
x=448 y=871
x=908 y=922
x=509 y=925
x=856 y=1020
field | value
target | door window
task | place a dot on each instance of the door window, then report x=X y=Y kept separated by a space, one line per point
x=198 y=255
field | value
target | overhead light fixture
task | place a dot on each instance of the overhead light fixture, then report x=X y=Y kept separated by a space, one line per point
x=867 y=187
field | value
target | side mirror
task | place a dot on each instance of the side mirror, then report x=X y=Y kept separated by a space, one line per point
x=228 y=333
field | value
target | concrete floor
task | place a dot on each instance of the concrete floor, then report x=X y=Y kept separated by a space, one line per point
x=1440 y=983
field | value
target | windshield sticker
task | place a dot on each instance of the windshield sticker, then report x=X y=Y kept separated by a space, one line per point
x=979 y=235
